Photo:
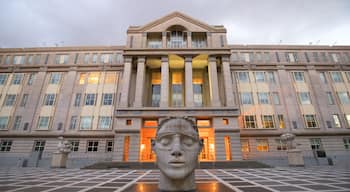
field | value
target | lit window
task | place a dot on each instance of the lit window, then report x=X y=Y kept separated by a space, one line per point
x=281 y=146
x=310 y=121
x=225 y=121
x=10 y=100
x=304 y=98
x=262 y=145
x=107 y=99
x=105 y=122
x=92 y=146
x=276 y=98
x=39 y=145
x=245 y=145
x=5 y=145
x=4 y=122
x=44 y=122
x=156 y=80
x=128 y=122
x=150 y=123
x=267 y=121
x=343 y=97
x=93 y=77
x=281 y=121
x=203 y=123
x=55 y=78
x=263 y=98
x=17 y=79
x=3 y=79
x=177 y=89
x=246 y=98
x=90 y=99
x=82 y=78
x=243 y=77
x=336 y=77
x=49 y=99
x=109 y=146
x=298 y=76
x=85 y=122
x=73 y=122
x=197 y=82
x=249 y=121
x=259 y=76
x=336 y=120
x=74 y=145
x=110 y=77
x=330 y=98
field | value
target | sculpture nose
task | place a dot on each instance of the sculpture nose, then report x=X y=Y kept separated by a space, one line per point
x=176 y=149
x=176 y=153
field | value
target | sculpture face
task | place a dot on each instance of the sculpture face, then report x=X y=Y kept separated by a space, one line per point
x=177 y=146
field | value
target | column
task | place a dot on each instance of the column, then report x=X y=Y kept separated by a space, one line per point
x=188 y=82
x=126 y=82
x=164 y=87
x=213 y=82
x=227 y=81
x=189 y=39
x=140 y=81
x=164 y=40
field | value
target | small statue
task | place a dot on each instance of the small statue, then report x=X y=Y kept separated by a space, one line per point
x=63 y=145
x=288 y=138
x=177 y=145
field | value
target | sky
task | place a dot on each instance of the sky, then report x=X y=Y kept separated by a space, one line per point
x=49 y=23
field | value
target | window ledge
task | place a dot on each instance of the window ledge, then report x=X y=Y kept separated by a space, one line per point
x=312 y=128
x=259 y=128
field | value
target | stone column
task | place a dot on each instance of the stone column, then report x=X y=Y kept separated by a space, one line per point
x=227 y=81
x=164 y=39
x=164 y=87
x=213 y=82
x=189 y=39
x=126 y=82
x=140 y=78
x=188 y=82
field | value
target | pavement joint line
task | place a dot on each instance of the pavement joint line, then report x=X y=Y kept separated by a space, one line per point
x=222 y=181
x=132 y=182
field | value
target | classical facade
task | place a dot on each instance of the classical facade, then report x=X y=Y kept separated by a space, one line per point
x=107 y=101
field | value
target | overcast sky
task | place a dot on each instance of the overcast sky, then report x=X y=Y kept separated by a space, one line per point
x=33 y=23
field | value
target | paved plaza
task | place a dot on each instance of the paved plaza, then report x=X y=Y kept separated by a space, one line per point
x=208 y=180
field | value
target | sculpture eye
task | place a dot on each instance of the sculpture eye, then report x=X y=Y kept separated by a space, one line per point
x=188 y=141
x=165 y=141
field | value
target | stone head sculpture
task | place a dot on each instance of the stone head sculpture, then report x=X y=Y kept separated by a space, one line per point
x=177 y=146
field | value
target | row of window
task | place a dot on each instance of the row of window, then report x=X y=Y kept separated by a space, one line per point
x=44 y=122
x=291 y=57
x=85 y=58
x=39 y=145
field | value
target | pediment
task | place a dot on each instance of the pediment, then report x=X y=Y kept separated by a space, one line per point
x=177 y=18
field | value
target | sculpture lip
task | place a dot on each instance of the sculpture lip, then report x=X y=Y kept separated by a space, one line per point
x=176 y=162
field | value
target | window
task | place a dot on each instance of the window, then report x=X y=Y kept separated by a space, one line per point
x=10 y=100
x=94 y=58
x=259 y=76
x=49 y=99
x=249 y=121
x=271 y=77
x=262 y=145
x=343 y=97
x=310 y=121
x=243 y=77
x=118 y=58
x=330 y=98
x=246 y=98
x=225 y=121
x=39 y=145
x=77 y=99
x=5 y=145
x=234 y=57
x=105 y=122
x=3 y=79
x=156 y=80
x=281 y=146
x=90 y=99
x=245 y=145
x=86 y=122
x=323 y=77
x=281 y=124
x=76 y=58
x=316 y=144
x=61 y=59
x=93 y=78
x=336 y=120
x=74 y=145
x=324 y=57
x=55 y=78
x=315 y=56
x=82 y=78
x=247 y=57
x=291 y=57
x=7 y=59
x=267 y=121
x=128 y=122
x=346 y=143
x=336 y=77
x=86 y=58
x=267 y=57
x=3 y=122
x=37 y=59
x=44 y=122
x=263 y=98
x=17 y=79
x=92 y=146
x=31 y=78
x=110 y=77
x=197 y=82
x=106 y=58
x=304 y=98
x=347 y=117
x=109 y=146
x=307 y=57
x=277 y=57
x=258 y=57
x=18 y=59
x=73 y=122
x=276 y=98
x=17 y=123
x=107 y=99
x=335 y=57
x=295 y=124
x=177 y=99
x=24 y=100
x=298 y=76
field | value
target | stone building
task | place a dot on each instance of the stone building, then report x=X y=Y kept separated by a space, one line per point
x=107 y=100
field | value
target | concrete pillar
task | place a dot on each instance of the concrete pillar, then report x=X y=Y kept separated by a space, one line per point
x=164 y=40
x=213 y=82
x=227 y=81
x=164 y=87
x=126 y=82
x=189 y=39
x=140 y=81
x=188 y=82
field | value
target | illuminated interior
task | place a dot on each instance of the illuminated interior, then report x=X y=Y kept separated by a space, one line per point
x=208 y=151
x=147 y=133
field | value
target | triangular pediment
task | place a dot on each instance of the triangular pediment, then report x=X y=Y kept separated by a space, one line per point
x=177 y=18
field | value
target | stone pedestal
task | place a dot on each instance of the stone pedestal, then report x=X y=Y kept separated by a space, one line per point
x=59 y=160
x=295 y=158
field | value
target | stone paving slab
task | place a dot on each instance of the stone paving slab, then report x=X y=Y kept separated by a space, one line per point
x=207 y=180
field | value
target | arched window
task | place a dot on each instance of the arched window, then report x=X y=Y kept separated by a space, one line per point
x=177 y=37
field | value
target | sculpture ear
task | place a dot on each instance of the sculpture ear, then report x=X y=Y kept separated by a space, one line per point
x=153 y=144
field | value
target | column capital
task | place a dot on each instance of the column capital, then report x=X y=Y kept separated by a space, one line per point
x=225 y=58
x=188 y=58
x=165 y=59
x=127 y=59
x=141 y=59
x=144 y=34
x=212 y=58
x=189 y=32
x=164 y=33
